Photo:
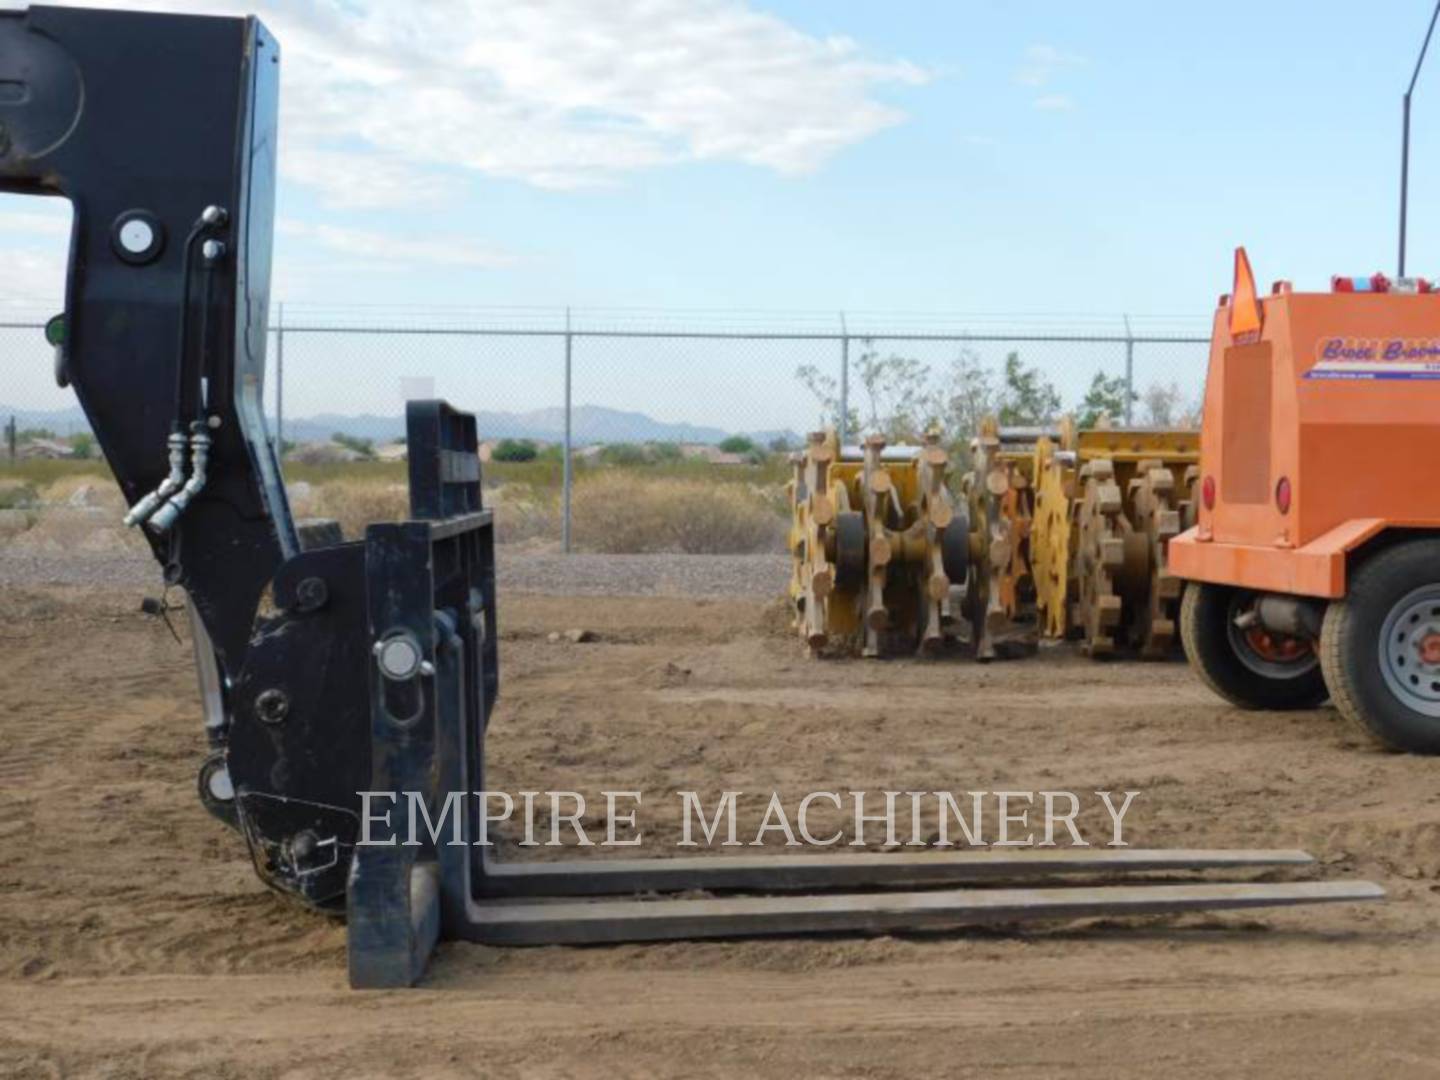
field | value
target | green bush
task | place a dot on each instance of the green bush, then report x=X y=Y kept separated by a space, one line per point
x=738 y=444
x=514 y=450
x=624 y=453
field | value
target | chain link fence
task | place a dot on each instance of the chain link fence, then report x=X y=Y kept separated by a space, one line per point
x=683 y=397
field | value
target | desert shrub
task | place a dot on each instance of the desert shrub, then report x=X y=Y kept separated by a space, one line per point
x=356 y=504
x=524 y=512
x=514 y=450
x=619 y=514
x=364 y=447
x=737 y=444
x=17 y=496
x=624 y=454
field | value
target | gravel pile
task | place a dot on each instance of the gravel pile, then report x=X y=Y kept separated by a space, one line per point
x=520 y=571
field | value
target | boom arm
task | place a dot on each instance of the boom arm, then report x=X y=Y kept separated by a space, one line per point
x=145 y=122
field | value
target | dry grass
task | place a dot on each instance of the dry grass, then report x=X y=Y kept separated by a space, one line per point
x=687 y=508
x=626 y=513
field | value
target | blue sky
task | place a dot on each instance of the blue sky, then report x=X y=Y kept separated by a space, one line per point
x=817 y=155
x=1175 y=131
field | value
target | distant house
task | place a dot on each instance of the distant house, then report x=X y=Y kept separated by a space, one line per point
x=395 y=451
x=44 y=449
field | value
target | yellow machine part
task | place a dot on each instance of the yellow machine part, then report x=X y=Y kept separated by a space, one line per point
x=1106 y=509
x=868 y=540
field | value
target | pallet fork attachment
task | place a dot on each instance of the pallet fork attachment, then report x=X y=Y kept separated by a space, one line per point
x=331 y=667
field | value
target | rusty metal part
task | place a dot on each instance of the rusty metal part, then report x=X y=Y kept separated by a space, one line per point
x=810 y=538
x=1000 y=494
x=1100 y=556
x=1052 y=537
x=1155 y=517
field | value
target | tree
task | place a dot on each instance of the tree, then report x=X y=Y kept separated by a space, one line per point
x=83 y=445
x=969 y=396
x=515 y=450
x=902 y=402
x=826 y=389
x=737 y=444
x=1028 y=398
x=1161 y=404
x=1106 y=398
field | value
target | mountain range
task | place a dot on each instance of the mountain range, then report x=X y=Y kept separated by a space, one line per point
x=589 y=424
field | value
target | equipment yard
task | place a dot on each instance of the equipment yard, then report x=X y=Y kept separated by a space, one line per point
x=136 y=941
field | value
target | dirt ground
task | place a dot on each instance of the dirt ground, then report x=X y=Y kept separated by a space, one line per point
x=135 y=941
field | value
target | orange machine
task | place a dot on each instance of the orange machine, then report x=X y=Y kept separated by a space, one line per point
x=1315 y=561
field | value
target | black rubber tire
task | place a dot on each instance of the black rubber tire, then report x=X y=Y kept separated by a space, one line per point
x=1350 y=639
x=1204 y=631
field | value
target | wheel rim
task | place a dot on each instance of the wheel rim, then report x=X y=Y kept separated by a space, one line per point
x=1410 y=650
x=1273 y=656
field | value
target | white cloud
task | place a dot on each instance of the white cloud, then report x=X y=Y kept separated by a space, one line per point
x=33 y=277
x=392 y=251
x=1042 y=63
x=353 y=180
x=49 y=218
x=554 y=93
x=1054 y=103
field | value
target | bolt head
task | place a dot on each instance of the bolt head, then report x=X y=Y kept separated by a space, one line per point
x=272 y=706
x=399 y=657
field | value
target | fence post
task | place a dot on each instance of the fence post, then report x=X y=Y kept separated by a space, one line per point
x=1129 y=374
x=844 y=419
x=568 y=474
x=280 y=383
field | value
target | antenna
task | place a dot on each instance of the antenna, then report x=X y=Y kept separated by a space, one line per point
x=1405 y=138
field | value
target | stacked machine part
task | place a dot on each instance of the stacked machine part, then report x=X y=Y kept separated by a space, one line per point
x=1052 y=532
x=1109 y=502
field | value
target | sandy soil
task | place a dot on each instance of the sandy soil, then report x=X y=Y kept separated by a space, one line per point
x=135 y=942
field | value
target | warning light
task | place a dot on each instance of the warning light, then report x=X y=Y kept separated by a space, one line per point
x=1376 y=283
x=1207 y=492
x=1282 y=495
x=1245 y=316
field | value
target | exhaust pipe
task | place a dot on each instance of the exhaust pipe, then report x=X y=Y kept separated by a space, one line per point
x=142 y=510
x=164 y=518
x=1293 y=616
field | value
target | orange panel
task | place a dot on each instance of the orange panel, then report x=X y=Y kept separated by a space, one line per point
x=1339 y=393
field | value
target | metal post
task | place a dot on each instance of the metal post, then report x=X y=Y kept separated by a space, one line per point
x=280 y=382
x=1405 y=137
x=569 y=468
x=1129 y=373
x=844 y=419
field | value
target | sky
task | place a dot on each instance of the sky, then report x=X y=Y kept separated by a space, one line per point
x=1037 y=159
